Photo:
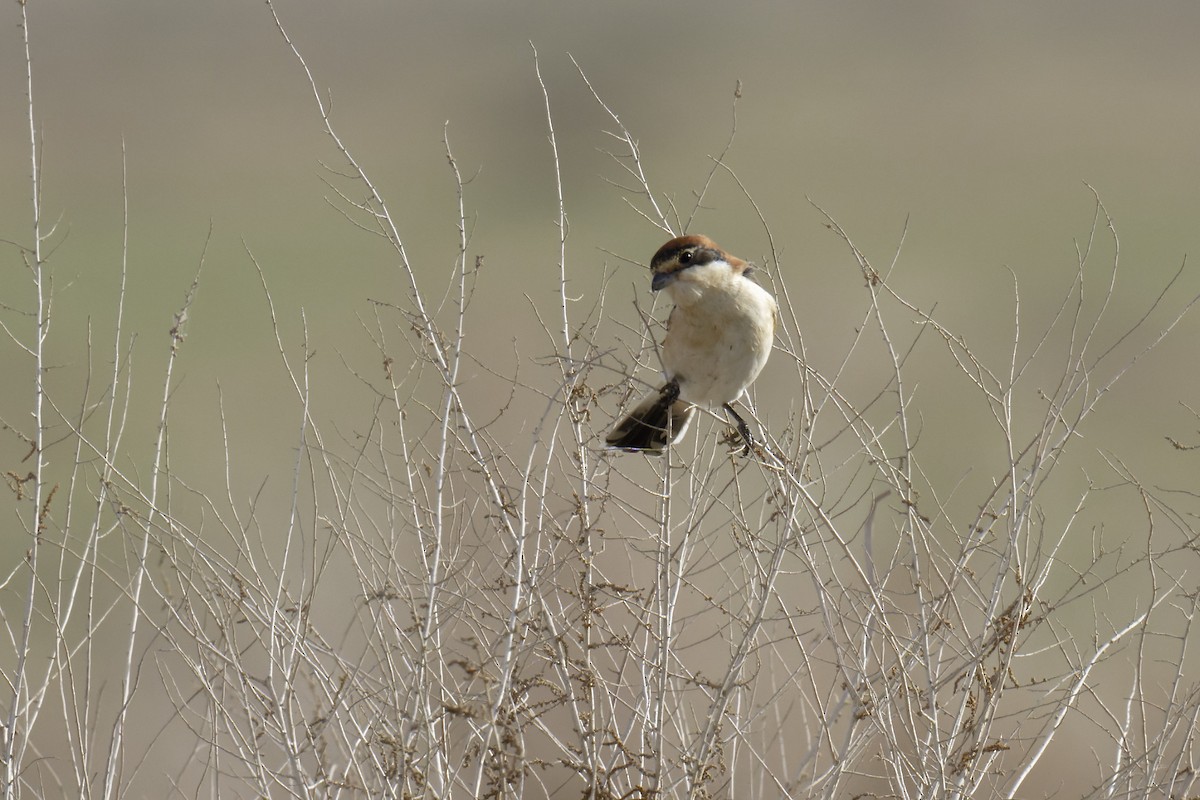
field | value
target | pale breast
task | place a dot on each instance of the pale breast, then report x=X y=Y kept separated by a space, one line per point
x=719 y=341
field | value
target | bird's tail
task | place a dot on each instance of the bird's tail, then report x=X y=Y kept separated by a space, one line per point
x=658 y=420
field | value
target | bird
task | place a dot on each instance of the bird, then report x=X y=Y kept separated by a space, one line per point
x=719 y=335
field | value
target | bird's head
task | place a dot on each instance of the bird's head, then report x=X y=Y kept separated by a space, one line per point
x=694 y=260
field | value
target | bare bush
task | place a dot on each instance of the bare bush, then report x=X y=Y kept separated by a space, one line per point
x=447 y=610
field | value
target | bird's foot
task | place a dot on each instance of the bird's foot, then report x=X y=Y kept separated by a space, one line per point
x=742 y=429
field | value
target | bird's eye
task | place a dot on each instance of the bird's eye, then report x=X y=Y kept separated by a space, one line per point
x=686 y=257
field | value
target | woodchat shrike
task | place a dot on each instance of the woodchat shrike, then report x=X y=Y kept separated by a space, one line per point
x=718 y=338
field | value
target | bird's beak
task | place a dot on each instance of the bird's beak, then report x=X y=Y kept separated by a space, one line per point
x=661 y=279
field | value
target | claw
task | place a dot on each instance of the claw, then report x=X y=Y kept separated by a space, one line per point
x=742 y=428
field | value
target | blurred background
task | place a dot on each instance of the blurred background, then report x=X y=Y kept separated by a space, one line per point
x=974 y=127
x=977 y=124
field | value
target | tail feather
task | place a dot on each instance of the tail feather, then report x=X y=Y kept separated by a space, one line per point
x=657 y=421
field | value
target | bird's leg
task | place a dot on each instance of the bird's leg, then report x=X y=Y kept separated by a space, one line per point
x=743 y=429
